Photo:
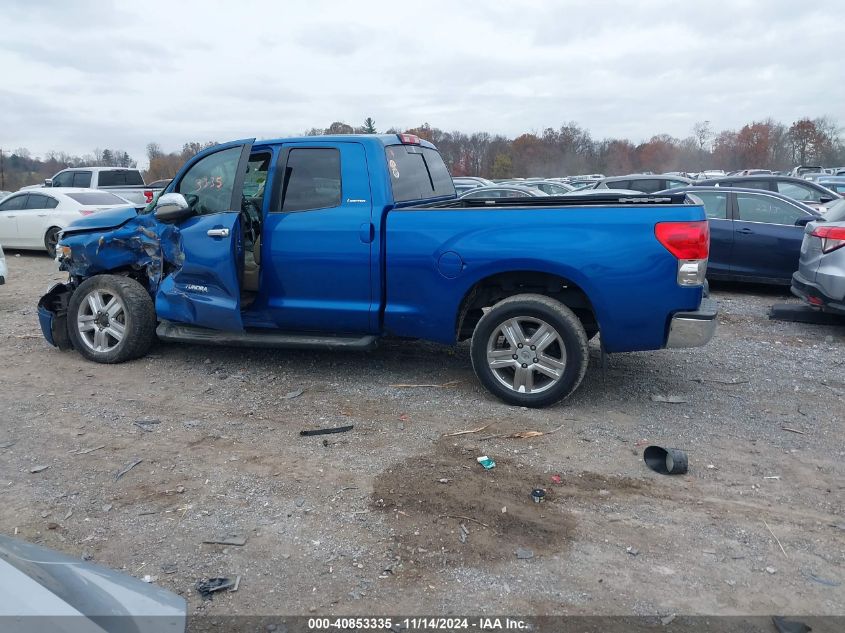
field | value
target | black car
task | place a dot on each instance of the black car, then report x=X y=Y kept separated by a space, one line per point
x=795 y=188
x=647 y=183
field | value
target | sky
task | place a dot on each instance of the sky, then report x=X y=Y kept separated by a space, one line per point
x=80 y=75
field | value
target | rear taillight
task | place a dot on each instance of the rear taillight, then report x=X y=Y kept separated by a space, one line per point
x=409 y=139
x=690 y=243
x=148 y=195
x=86 y=211
x=832 y=237
x=685 y=240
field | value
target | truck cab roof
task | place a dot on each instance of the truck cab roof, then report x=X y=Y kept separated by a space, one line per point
x=366 y=139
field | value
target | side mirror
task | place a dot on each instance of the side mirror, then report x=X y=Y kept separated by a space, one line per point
x=48 y=182
x=172 y=207
x=824 y=199
x=805 y=220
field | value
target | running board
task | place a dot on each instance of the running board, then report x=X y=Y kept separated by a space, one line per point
x=256 y=338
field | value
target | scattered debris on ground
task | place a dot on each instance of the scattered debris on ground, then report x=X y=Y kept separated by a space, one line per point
x=207 y=588
x=329 y=431
x=126 y=469
x=669 y=399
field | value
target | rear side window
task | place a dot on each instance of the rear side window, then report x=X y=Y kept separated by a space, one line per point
x=715 y=204
x=312 y=179
x=618 y=184
x=81 y=179
x=671 y=184
x=417 y=173
x=119 y=178
x=36 y=201
x=96 y=198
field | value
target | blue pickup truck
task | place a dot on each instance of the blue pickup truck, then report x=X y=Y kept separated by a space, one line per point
x=337 y=241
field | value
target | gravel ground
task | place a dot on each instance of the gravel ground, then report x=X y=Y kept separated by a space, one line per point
x=370 y=521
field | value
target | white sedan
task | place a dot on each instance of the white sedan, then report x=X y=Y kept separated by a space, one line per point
x=35 y=219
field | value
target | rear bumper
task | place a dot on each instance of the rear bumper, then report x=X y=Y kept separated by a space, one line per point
x=812 y=294
x=693 y=329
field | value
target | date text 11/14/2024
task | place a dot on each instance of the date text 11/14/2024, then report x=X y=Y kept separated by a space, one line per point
x=419 y=624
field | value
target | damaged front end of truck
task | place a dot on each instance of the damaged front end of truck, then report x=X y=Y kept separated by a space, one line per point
x=118 y=242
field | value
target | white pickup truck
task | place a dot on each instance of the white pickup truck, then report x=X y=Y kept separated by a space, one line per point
x=121 y=181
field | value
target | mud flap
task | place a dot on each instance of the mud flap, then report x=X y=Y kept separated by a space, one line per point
x=52 y=315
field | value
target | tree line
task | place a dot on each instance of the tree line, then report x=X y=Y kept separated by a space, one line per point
x=19 y=168
x=567 y=150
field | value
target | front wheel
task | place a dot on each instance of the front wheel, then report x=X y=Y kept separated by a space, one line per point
x=530 y=350
x=51 y=240
x=111 y=319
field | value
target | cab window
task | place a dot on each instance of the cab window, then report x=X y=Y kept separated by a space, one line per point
x=81 y=179
x=208 y=183
x=63 y=179
x=417 y=173
x=312 y=179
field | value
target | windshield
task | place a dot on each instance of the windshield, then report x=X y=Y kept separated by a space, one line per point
x=417 y=173
x=97 y=198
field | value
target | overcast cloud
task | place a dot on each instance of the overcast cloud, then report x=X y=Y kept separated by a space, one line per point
x=79 y=75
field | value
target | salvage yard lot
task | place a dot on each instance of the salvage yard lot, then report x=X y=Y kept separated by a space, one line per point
x=361 y=523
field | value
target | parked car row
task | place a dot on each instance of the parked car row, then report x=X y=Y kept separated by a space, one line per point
x=128 y=183
x=754 y=235
x=34 y=218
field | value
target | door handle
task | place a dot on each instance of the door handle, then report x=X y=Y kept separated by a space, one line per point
x=11 y=216
x=746 y=231
x=42 y=215
x=218 y=233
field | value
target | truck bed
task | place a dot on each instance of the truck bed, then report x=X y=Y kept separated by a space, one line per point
x=605 y=246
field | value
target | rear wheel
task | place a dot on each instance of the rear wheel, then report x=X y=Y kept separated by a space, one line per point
x=111 y=319
x=51 y=240
x=530 y=350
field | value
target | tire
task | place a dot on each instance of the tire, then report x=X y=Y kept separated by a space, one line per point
x=561 y=349
x=51 y=239
x=111 y=319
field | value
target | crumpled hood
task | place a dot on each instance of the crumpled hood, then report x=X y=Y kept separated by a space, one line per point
x=102 y=220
